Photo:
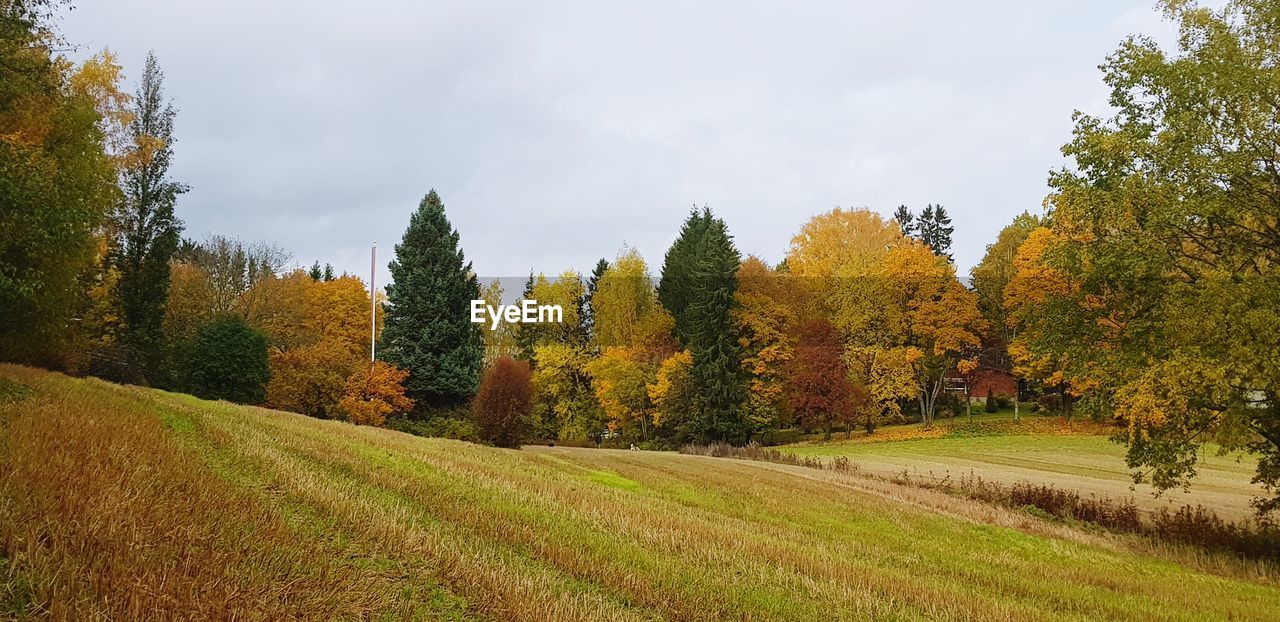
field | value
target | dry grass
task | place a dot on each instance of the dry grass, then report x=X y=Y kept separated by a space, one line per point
x=206 y=508
x=106 y=514
x=1030 y=451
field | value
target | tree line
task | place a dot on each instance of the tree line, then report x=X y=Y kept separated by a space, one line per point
x=1144 y=293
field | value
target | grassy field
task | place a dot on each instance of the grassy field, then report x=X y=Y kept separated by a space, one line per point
x=1077 y=456
x=127 y=503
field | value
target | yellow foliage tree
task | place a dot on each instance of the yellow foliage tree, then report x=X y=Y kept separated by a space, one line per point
x=671 y=391
x=620 y=379
x=498 y=341
x=624 y=297
x=565 y=405
x=839 y=257
x=938 y=316
x=567 y=291
x=1034 y=283
x=99 y=79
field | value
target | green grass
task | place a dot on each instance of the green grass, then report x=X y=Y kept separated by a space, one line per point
x=1039 y=449
x=128 y=503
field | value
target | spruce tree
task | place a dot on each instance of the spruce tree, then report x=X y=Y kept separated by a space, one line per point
x=315 y=272
x=942 y=232
x=428 y=330
x=935 y=230
x=147 y=229
x=717 y=377
x=676 y=285
x=527 y=335
x=588 y=314
x=906 y=221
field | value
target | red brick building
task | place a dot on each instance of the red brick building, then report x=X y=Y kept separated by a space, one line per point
x=999 y=381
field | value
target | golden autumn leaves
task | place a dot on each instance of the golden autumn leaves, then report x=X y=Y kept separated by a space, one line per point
x=905 y=320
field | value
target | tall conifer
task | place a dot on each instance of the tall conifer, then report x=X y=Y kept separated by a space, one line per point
x=526 y=335
x=711 y=337
x=676 y=285
x=428 y=329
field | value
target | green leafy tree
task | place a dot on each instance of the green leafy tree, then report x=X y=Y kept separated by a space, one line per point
x=57 y=184
x=428 y=330
x=147 y=231
x=1166 y=229
x=227 y=360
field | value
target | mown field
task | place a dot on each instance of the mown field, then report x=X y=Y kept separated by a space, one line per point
x=1042 y=450
x=128 y=503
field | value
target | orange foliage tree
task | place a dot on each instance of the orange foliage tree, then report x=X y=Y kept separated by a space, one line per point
x=320 y=336
x=370 y=395
x=765 y=322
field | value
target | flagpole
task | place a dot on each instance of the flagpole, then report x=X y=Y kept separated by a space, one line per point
x=373 y=303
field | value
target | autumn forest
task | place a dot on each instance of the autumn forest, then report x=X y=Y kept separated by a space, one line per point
x=1138 y=305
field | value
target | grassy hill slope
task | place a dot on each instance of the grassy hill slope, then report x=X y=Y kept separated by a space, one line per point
x=127 y=503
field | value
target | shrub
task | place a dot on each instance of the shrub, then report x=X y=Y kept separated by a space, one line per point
x=1201 y=526
x=440 y=426
x=227 y=360
x=954 y=404
x=991 y=402
x=1119 y=515
x=755 y=452
x=504 y=403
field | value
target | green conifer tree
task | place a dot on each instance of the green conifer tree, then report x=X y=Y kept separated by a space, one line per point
x=906 y=221
x=676 y=285
x=428 y=329
x=588 y=314
x=712 y=339
x=935 y=230
x=527 y=335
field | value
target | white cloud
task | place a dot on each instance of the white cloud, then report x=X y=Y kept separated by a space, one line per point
x=555 y=132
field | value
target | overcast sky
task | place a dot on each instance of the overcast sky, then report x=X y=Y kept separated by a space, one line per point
x=558 y=131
